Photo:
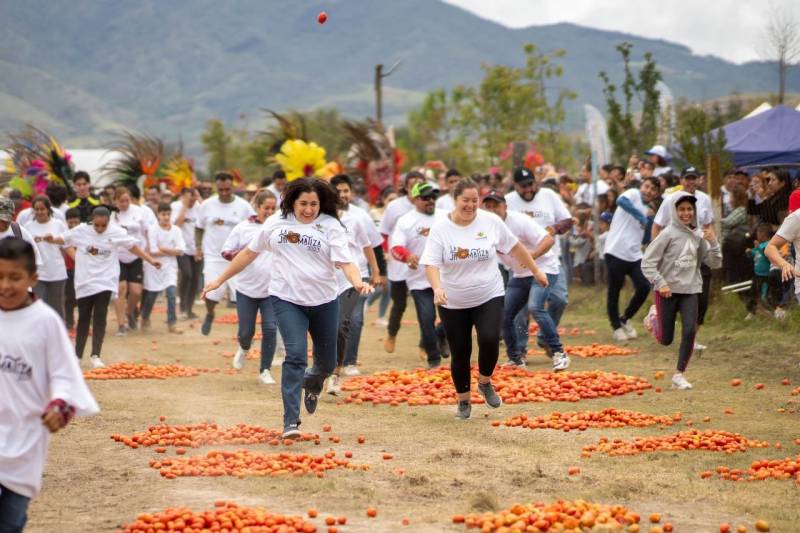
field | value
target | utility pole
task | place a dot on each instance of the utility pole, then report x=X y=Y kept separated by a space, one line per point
x=379 y=75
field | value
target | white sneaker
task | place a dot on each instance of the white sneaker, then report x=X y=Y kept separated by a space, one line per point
x=382 y=322
x=97 y=362
x=700 y=347
x=351 y=370
x=334 y=386
x=619 y=335
x=679 y=382
x=266 y=377
x=780 y=313
x=238 y=359
x=628 y=329
x=560 y=361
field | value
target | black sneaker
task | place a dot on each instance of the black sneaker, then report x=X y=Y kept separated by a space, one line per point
x=207 y=322
x=433 y=365
x=291 y=432
x=310 y=400
x=464 y=410
x=132 y=321
x=444 y=348
x=489 y=395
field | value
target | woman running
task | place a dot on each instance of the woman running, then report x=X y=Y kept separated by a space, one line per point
x=97 y=274
x=460 y=261
x=308 y=244
x=53 y=272
x=252 y=288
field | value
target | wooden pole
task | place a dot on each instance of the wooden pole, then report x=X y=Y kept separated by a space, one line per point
x=379 y=94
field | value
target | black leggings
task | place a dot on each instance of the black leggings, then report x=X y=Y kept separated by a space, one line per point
x=668 y=309
x=92 y=310
x=487 y=319
x=348 y=300
x=617 y=270
x=398 y=290
x=703 y=297
x=188 y=281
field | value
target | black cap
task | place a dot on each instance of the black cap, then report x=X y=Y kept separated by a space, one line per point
x=692 y=199
x=495 y=195
x=689 y=171
x=523 y=175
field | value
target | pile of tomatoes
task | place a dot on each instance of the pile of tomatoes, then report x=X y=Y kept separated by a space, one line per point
x=594 y=351
x=709 y=440
x=145 y=371
x=583 y=420
x=514 y=385
x=783 y=469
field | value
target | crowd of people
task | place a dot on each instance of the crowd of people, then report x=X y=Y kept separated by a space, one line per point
x=481 y=254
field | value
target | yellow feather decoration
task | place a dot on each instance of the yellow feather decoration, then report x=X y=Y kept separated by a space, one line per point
x=300 y=159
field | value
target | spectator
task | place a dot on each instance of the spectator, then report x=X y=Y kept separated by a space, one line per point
x=728 y=182
x=737 y=213
x=660 y=159
x=581 y=242
x=761 y=290
x=775 y=204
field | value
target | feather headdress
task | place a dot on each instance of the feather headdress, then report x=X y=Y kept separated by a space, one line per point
x=374 y=155
x=288 y=127
x=300 y=159
x=140 y=157
x=36 y=159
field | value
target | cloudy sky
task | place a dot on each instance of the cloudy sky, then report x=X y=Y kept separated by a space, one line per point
x=730 y=29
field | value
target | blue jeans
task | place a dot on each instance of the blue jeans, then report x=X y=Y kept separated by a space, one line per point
x=354 y=338
x=13 y=511
x=384 y=298
x=518 y=292
x=246 y=309
x=149 y=298
x=431 y=333
x=295 y=322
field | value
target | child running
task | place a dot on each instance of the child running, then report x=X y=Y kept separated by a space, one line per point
x=41 y=383
x=52 y=274
x=672 y=264
x=166 y=243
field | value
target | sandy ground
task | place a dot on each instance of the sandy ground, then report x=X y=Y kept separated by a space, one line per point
x=451 y=467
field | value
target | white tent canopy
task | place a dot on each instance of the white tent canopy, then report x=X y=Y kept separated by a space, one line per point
x=765 y=106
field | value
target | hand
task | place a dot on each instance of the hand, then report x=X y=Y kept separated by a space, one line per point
x=47 y=238
x=550 y=230
x=665 y=291
x=788 y=272
x=364 y=288
x=214 y=285
x=52 y=420
x=412 y=262
x=198 y=255
x=541 y=278
x=383 y=281
x=709 y=235
x=439 y=297
x=156 y=264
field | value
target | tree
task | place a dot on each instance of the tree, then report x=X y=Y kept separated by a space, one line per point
x=699 y=131
x=217 y=144
x=782 y=43
x=625 y=135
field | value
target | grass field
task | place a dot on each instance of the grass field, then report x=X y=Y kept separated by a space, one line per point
x=441 y=466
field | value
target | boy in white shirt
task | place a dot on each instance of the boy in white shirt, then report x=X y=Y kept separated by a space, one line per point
x=41 y=383
x=167 y=244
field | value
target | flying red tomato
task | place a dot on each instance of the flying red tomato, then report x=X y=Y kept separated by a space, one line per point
x=322 y=17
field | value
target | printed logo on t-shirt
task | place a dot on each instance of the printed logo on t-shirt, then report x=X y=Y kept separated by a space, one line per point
x=423 y=231
x=481 y=235
x=290 y=237
x=219 y=222
x=16 y=366
x=477 y=254
x=94 y=250
x=688 y=256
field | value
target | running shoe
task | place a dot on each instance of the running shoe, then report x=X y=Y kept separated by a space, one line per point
x=266 y=377
x=620 y=335
x=310 y=400
x=334 y=386
x=291 y=432
x=238 y=359
x=560 y=361
x=700 y=347
x=489 y=395
x=780 y=313
x=205 y=329
x=628 y=329
x=97 y=362
x=679 y=382
x=132 y=321
x=122 y=331
x=351 y=370
x=464 y=410
x=444 y=348
x=515 y=362
x=381 y=322
x=388 y=344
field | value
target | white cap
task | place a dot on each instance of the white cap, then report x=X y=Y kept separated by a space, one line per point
x=658 y=150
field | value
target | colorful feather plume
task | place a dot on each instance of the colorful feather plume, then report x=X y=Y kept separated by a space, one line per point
x=288 y=127
x=36 y=159
x=300 y=159
x=178 y=173
x=139 y=156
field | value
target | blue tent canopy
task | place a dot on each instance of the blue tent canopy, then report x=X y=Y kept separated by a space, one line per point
x=769 y=138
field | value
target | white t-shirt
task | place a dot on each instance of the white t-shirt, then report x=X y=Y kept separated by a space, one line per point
x=274 y=190
x=624 y=238
x=217 y=220
x=530 y=234
x=97 y=257
x=357 y=241
x=134 y=221
x=370 y=228
x=26 y=215
x=26 y=236
x=546 y=209
x=254 y=280
x=790 y=232
x=585 y=192
x=189 y=224
x=411 y=232
x=304 y=257
x=395 y=270
x=445 y=203
x=467 y=258
x=155 y=279
x=705 y=212
x=37 y=365
x=53 y=267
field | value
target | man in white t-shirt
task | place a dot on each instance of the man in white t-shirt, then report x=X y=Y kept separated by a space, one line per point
x=217 y=218
x=396 y=270
x=548 y=210
x=623 y=255
x=446 y=202
x=278 y=185
x=690 y=179
x=185 y=212
x=788 y=233
x=585 y=193
x=407 y=244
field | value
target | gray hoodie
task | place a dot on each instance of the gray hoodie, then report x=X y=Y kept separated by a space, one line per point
x=674 y=257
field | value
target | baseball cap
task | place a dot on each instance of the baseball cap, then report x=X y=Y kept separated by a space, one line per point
x=658 y=150
x=689 y=171
x=523 y=175
x=251 y=187
x=495 y=195
x=6 y=210
x=606 y=216
x=423 y=189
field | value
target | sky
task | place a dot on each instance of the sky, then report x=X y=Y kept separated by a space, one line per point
x=730 y=29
